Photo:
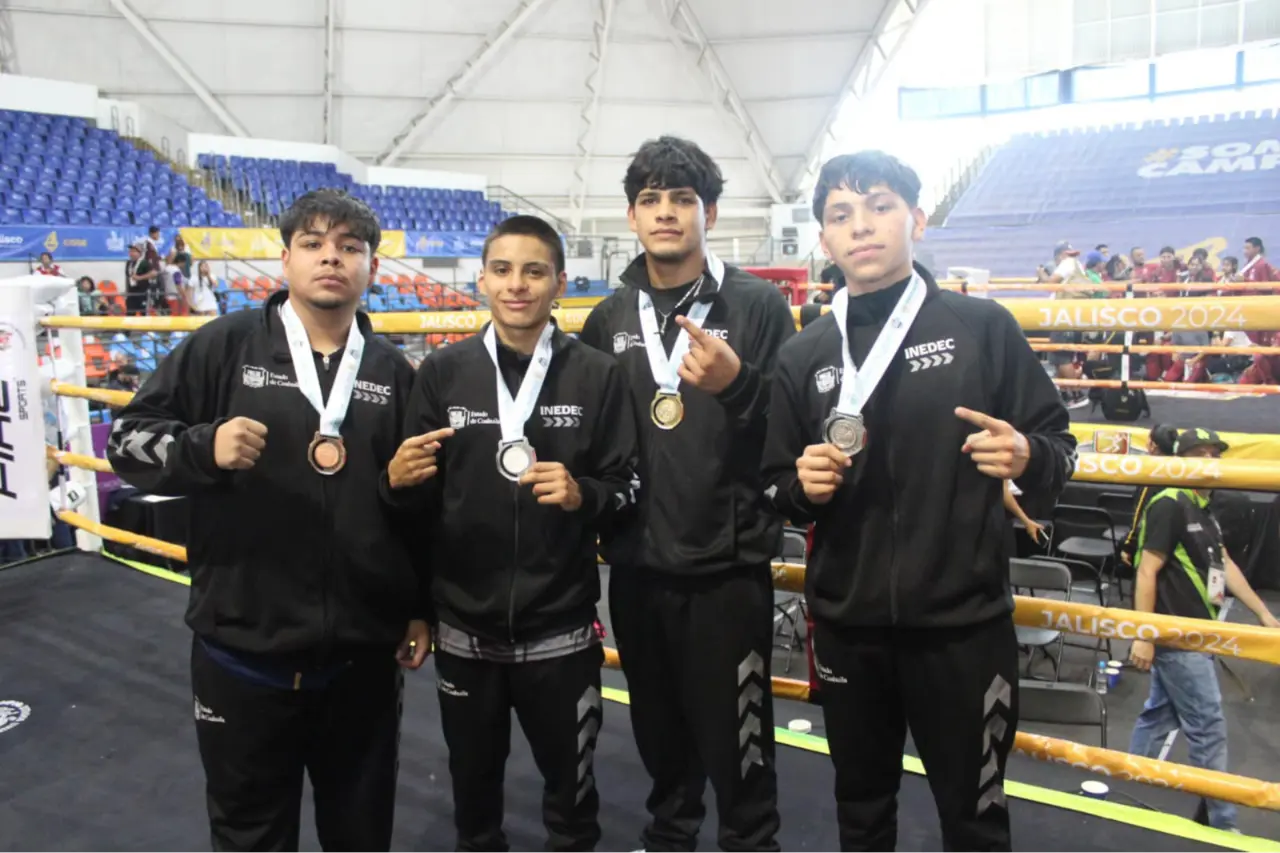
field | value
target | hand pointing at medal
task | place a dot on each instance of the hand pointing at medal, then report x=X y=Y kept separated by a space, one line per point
x=415 y=460
x=553 y=485
x=999 y=450
x=711 y=365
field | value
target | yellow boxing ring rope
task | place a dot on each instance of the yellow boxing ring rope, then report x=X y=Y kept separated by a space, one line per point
x=1254 y=643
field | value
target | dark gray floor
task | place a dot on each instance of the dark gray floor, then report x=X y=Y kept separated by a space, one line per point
x=107 y=758
x=1240 y=414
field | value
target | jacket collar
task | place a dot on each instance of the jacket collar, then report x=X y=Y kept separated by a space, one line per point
x=559 y=340
x=275 y=326
x=637 y=275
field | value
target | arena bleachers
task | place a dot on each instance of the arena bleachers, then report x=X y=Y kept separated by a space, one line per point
x=1226 y=165
x=61 y=170
x=275 y=184
x=1212 y=182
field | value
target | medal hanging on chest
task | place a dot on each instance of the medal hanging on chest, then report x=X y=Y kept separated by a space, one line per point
x=667 y=409
x=515 y=453
x=845 y=427
x=327 y=453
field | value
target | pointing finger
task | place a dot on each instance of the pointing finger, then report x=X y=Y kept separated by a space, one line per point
x=985 y=422
x=435 y=435
x=696 y=334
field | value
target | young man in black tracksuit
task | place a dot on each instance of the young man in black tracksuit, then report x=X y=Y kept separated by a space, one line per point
x=690 y=592
x=277 y=424
x=897 y=445
x=523 y=448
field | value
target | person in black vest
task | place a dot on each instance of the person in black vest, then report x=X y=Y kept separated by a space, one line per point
x=1185 y=570
x=277 y=424
x=895 y=420
x=690 y=589
x=522 y=449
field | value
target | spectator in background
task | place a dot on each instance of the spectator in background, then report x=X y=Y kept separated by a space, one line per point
x=1265 y=368
x=1138 y=263
x=1067 y=271
x=180 y=257
x=200 y=292
x=1162 y=440
x=1104 y=250
x=47 y=266
x=90 y=303
x=1184 y=570
x=137 y=282
x=1256 y=267
x=1117 y=269
x=1230 y=269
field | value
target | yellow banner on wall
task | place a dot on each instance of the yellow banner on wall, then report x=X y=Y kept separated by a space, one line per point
x=215 y=244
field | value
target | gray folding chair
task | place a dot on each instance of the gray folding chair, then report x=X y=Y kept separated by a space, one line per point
x=1041 y=578
x=788 y=607
x=1063 y=704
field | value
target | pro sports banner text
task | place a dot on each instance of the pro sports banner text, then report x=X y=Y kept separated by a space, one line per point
x=24 y=487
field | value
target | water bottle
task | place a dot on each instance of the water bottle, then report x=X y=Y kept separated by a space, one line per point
x=1100 y=678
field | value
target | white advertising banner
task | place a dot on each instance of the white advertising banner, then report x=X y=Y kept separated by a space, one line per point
x=24 y=486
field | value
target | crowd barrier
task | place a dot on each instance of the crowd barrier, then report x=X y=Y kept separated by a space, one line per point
x=1237 y=313
x=1090 y=620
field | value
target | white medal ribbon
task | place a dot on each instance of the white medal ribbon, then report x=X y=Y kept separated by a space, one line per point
x=666 y=370
x=856 y=386
x=512 y=413
x=1249 y=266
x=334 y=412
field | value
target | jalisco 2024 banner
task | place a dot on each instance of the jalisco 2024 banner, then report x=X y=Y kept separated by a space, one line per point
x=93 y=243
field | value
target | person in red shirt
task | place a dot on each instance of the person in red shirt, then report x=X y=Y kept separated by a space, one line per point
x=1265 y=368
x=1164 y=271
x=47 y=266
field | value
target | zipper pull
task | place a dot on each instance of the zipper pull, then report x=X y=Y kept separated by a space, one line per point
x=326 y=362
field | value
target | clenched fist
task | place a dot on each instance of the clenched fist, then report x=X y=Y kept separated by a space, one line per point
x=553 y=485
x=238 y=443
x=415 y=460
x=821 y=471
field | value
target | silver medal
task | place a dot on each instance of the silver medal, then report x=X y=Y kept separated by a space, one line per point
x=847 y=432
x=514 y=458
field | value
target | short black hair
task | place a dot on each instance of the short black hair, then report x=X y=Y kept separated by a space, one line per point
x=1233 y=260
x=862 y=171
x=1100 y=247
x=669 y=163
x=154 y=229
x=528 y=226
x=336 y=207
x=1165 y=437
x=1201 y=253
x=1169 y=250
x=1256 y=241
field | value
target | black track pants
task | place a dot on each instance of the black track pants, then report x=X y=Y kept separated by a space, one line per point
x=557 y=702
x=256 y=742
x=697 y=654
x=957 y=689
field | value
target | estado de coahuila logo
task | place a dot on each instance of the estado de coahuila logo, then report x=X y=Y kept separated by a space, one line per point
x=1260 y=156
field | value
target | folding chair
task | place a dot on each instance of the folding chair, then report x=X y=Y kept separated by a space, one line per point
x=789 y=608
x=1063 y=704
x=1037 y=577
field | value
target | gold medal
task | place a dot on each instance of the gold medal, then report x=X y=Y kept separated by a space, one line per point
x=327 y=454
x=667 y=410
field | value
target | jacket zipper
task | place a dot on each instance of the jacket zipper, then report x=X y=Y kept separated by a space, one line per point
x=515 y=566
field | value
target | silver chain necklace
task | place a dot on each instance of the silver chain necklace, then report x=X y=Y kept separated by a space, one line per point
x=693 y=291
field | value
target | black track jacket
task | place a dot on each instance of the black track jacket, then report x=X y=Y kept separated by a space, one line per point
x=701 y=509
x=283 y=559
x=504 y=567
x=914 y=536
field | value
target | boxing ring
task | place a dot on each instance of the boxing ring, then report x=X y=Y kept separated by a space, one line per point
x=95 y=650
